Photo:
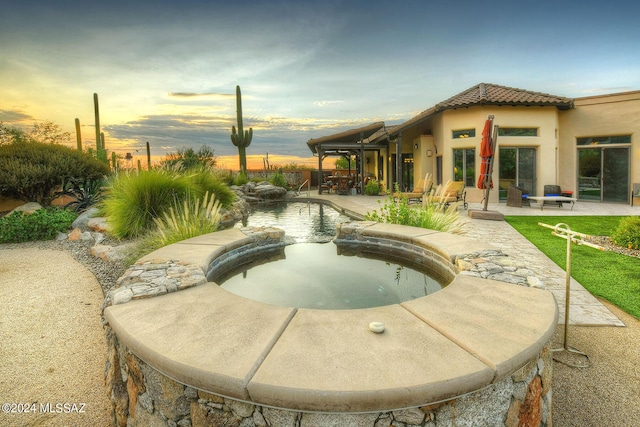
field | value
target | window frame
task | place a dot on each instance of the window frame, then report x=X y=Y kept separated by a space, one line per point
x=586 y=141
x=463 y=133
x=468 y=153
x=513 y=132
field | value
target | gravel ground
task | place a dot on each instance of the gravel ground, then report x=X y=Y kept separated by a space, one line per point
x=53 y=351
x=56 y=350
x=606 y=393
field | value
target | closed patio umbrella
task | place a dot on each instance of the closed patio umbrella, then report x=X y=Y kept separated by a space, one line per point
x=487 y=148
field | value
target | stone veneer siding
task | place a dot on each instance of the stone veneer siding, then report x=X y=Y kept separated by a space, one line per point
x=142 y=396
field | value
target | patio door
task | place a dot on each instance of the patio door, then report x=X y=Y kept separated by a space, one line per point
x=517 y=166
x=406 y=174
x=603 y=174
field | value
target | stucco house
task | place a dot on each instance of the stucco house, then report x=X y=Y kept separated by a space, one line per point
x=586 y=145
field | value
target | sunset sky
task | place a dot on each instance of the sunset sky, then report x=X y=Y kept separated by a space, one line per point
x=166 y=71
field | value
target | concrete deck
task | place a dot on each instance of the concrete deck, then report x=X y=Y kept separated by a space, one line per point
x=465 y=337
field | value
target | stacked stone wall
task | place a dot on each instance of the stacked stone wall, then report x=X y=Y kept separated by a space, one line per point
x=144 y=397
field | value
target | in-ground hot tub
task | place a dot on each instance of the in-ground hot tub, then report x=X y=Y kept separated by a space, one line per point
x=329 y=276
x=474 y=351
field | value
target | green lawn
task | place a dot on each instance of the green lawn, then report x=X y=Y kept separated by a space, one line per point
x=608 y=275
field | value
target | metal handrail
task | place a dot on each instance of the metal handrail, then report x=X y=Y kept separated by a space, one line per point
x=308 y=187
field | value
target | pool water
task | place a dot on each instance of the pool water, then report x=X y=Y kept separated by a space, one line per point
x=301 y=222
x=314 y=272
x=315 y=275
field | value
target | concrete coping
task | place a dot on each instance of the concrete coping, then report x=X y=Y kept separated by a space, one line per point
x=467 y=336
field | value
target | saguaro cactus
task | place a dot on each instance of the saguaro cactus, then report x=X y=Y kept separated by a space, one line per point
x=148 y=157
x=241 y=138
x=101 y=152
x=78 y=136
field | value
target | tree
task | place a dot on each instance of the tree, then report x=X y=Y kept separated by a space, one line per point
x=187 y=158
x=46 y=132
x=9 y=135
x=242 y=138
x=343 y=163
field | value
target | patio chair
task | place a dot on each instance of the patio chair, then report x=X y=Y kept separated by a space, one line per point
x=517 y=196
x=454 y=191
x=552 y=190
x=419 y=191
x=635 y=194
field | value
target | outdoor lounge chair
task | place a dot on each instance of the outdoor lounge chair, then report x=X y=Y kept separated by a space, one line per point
x=419 y=191
x=454 y=191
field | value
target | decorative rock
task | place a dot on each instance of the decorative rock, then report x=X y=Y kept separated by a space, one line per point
x=410 y=416
x=258 y=419
x=75 y=235
x=524 y=272
x=464 y=265
x=509 y=278
x=27 y=208
x=534 y=282
x=86 y=237
x=531 y=410
x=99 y=251
x=98 y=224
x=383 y=421
x=146 y=402
x=120 y=296
x=83 y=218
x=376 y=327
x=279 y=417
x=240 y=409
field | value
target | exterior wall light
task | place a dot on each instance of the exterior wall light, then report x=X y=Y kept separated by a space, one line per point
x=429 y=153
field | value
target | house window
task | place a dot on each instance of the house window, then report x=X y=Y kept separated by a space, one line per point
x=604 y=140
x=464 y=166
x=517 y=131
x=464 y=133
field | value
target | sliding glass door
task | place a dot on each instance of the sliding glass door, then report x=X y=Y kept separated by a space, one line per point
x=517 y=167
x=603 y=174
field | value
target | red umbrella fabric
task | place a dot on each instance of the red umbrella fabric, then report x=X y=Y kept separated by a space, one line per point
x=486 y=153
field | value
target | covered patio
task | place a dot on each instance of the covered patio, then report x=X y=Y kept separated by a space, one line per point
x=356 y=143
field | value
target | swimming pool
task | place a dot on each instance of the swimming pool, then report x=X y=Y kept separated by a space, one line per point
x=301 y=222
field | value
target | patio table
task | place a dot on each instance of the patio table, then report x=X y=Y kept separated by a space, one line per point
x=560 y=199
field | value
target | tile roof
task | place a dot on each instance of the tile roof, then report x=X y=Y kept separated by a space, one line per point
x=489 y=94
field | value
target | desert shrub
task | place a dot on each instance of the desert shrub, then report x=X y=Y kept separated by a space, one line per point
x=240 y=179
x=203 y=181
x=34 y=171
x=186 y=158
x=193 y=217
x=225 y=176
x=627 y=234
x=431 y=214
x=43 y=224
x=133 y=200
x=278 y=179
x=82 y=195
x=372 y=188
